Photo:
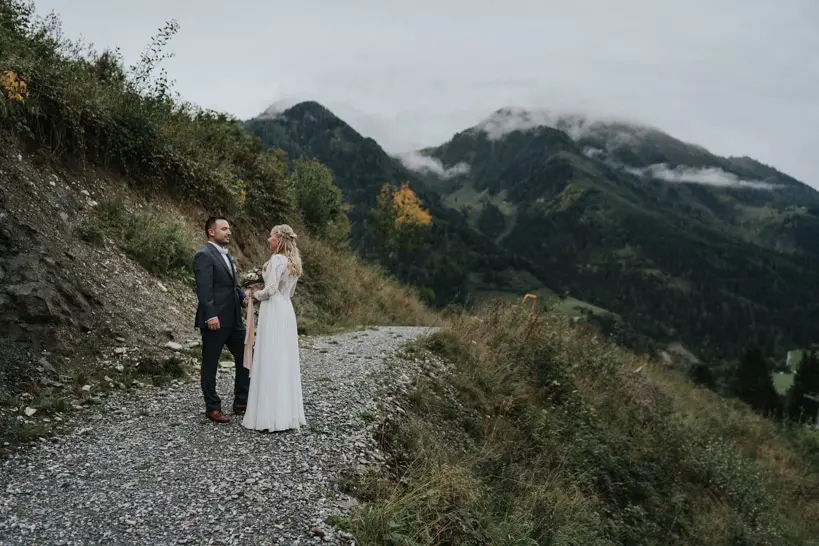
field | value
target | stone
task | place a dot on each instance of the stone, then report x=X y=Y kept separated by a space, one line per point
x=174 y=346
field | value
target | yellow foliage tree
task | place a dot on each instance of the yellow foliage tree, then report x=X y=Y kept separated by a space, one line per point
x=14 y=88
x=409 y=208
x=401 y=220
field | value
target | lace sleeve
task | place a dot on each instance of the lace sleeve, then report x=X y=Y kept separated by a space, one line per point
x=271 y=285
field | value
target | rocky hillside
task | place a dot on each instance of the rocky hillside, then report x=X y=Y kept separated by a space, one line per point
x=105 y=183
x=656 y=240
x=64 y=298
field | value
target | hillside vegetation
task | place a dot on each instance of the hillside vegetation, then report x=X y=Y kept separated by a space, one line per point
x=545 y=434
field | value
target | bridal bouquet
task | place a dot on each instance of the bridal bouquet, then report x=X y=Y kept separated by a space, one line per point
x=251 y=278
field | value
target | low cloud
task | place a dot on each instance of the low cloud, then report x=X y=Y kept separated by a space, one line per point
x=511 y=119
x=277 y=108
x=418 y=162
x=712 y=176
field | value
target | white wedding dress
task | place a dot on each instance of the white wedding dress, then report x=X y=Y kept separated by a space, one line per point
x=275 y=401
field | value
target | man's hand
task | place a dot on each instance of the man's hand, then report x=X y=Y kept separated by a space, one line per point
x=213 y=324
x=245 y=301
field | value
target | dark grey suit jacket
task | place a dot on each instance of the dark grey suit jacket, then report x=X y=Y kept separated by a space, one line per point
x=218 y=291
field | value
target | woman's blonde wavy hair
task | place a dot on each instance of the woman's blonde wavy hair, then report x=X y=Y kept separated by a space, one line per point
x=287 y=248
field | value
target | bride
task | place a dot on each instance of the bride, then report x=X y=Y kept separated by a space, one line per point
x=275 y=401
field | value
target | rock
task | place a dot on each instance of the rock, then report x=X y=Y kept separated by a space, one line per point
x=47 y=366
x=120 y=351
x=227 y=364
x=161 y=286
x=86 y=388
x=29 y=411
x=174 y=346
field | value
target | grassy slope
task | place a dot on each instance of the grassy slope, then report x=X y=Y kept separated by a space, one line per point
x=546 y=435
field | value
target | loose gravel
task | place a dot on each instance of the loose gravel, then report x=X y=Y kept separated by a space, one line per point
x=150 y=469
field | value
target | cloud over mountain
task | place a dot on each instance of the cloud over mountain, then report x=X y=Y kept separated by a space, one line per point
x=416 y=161
x=712 y=176
x=510 y=119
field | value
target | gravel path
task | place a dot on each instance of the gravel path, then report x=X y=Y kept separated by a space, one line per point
x=150 y=469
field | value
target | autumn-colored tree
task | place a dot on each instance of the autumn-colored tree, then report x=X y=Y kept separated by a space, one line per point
x=401 y=220
x=12 y=87
x=409 y=211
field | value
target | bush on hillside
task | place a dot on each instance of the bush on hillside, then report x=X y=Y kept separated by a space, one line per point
x=163 y=247
x=319 y=200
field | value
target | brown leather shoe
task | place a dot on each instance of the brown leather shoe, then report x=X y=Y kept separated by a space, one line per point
x=217 y=416
x=239 y=408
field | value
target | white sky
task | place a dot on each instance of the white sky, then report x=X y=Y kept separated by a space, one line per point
x=740 y=77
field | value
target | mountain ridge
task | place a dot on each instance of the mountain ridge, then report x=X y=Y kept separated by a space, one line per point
x=671 y=239
x=361 y=167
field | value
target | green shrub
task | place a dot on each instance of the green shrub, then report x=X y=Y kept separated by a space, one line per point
x=319 y=200
x=161 y=246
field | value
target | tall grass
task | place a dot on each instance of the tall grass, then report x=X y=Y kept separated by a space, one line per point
x=338 y=291
x=545 y=434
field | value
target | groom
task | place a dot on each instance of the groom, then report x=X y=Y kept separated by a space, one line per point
x=219 y=317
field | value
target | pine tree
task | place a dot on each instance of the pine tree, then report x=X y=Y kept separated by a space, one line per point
x=752 y=383
x=805 y=382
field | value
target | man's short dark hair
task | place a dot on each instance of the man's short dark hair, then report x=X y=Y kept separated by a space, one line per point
x=210 y=222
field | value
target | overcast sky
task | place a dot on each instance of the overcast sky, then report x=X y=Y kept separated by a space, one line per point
x=736 y=76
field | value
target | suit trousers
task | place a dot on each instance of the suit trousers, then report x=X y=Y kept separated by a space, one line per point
x=213 y=341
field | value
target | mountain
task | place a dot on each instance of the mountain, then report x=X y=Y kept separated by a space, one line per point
x=651 y=237
x=682 y=244
x=456 y=261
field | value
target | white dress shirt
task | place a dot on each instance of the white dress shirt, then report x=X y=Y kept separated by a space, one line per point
x=224 y=252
